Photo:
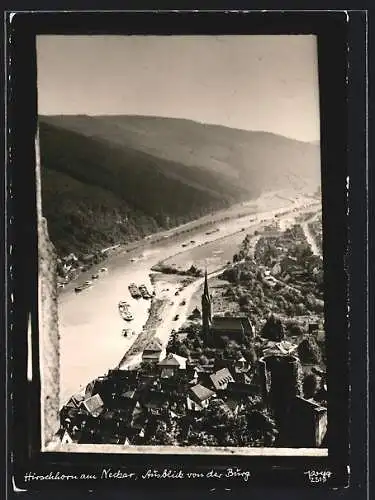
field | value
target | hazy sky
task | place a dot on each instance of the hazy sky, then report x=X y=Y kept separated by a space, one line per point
x=258 y=82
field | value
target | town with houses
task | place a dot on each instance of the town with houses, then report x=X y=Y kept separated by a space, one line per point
x=247 y=369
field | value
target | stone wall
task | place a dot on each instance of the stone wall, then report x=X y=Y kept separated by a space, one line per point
x=49 y=361
x=306 y=424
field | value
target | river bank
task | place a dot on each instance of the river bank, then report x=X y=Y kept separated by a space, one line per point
x=271 y=201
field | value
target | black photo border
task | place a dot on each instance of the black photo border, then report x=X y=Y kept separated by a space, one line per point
x=340 y=240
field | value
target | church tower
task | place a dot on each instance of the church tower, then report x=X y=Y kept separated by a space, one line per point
x=206 y=309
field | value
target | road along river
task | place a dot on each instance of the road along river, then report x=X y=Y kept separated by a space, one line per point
x=89 y=322
x=310 y=237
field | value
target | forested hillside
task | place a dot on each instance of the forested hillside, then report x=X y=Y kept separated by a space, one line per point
x=115 y=179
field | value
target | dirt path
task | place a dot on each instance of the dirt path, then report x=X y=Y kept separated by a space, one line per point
x=156 y=317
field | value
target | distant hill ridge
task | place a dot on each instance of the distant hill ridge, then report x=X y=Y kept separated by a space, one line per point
x=117 y=178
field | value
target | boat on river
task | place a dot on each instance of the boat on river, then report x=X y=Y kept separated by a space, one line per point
x=145 y=293
x=134 y=291
x=127 y=332
x=86 y=284
x=124 y=310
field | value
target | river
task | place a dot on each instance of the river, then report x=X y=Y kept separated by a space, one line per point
x=89 y=322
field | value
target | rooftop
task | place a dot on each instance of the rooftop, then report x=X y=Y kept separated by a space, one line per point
x=221 y=378
x=201 y=392
x=94 y=404
x=173 y=360
x=314 y=405
x=154 y=345
x=223 y=323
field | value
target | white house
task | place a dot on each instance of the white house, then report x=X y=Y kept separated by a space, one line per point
x=198 y=397
x=172 y=363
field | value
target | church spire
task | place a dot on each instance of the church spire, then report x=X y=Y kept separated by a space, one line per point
x=205 y=291
x=206 y=309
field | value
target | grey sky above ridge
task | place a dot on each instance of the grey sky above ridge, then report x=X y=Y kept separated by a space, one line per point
x=256 y=82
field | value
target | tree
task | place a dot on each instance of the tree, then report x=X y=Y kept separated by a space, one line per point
x=203 y=360
x=309 y=351
x=147 y=368
x=164 y=435
x=191 y=335
x=294 y=329
x=250 y=355
x=300 y=309
x=163 y=429
x=198 y=351
x=232 y=350
x=273 y=329
x=245 y=309
x=261 y=427
x=225 y=341
x=254 y=403
x=243 y=300
x=174 y=345
x=224 y=426
x=259 y=292
x=310 y=385
x=206 y=439
x=218 y=414
x=183 y=351
x=197 y=343
x=235 y=433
